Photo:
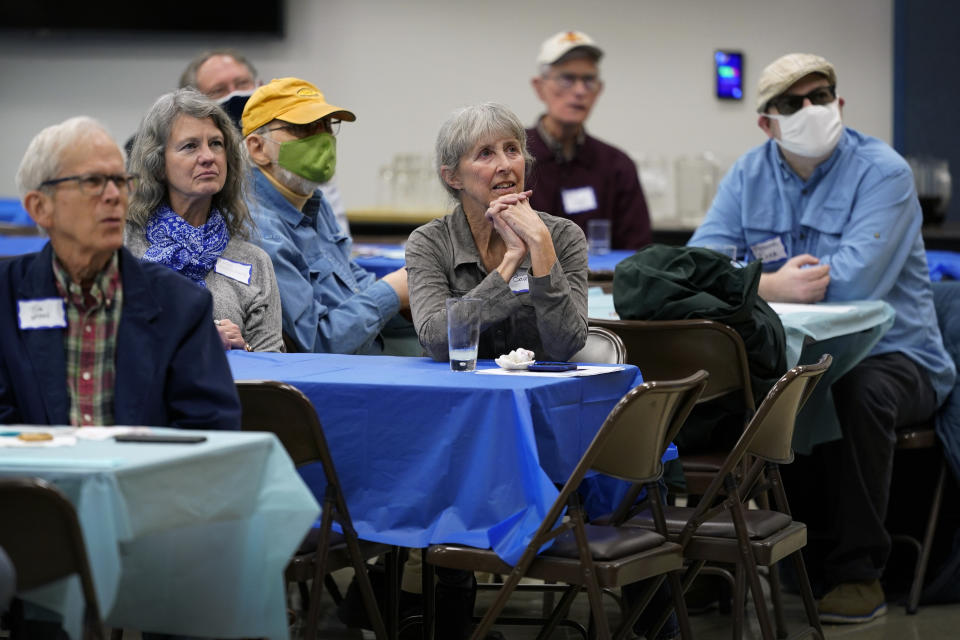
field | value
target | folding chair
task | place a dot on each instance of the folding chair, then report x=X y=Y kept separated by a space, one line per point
x=41 y=535
x=721 y=529
x=671 y=349
x=273 y=406
x=602 y=346
x=627 y=446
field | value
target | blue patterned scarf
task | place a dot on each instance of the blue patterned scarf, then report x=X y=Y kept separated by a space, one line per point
x=192 y=251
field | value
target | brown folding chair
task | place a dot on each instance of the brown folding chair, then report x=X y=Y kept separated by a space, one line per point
x=42 y=536
x=671 y=349
x=627 y=446
x=721 y=529
x=602 y=346
x=280 y=408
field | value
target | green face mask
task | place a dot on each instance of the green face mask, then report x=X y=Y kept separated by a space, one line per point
x=313 y=157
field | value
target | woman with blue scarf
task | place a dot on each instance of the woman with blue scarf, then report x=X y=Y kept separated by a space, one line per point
x=188 y=213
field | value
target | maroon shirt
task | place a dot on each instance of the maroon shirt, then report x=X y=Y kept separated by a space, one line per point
x=610 y=172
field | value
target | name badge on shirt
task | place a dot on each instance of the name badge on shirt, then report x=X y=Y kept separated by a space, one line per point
x=234 y=270
x=579 y=200
x=769 y=250
x=44 y=313
x=520 y=282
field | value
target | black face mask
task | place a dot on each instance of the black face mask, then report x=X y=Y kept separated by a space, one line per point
x=233 y=104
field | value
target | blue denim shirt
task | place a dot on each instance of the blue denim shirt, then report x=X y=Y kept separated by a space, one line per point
x=858 y=213
x=330 y=304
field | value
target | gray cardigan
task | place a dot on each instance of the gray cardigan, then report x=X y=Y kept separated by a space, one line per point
x=254 y=307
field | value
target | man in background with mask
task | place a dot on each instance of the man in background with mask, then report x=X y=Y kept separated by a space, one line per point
x=834 y=216
x=330 y=304
x=229 y=78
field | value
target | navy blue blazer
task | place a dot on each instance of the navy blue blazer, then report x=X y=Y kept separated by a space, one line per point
x=171 y=368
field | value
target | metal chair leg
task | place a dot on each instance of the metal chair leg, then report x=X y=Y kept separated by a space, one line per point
x=914 y=599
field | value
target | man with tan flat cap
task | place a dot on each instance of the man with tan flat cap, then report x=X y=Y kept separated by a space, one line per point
x=330 y=304
x=834 y=216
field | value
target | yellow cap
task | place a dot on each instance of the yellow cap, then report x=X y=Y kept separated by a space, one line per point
x=291 y=100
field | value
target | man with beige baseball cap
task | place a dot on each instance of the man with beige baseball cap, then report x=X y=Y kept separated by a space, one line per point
x=330 y=304
x=575 y=175
x=834 y=216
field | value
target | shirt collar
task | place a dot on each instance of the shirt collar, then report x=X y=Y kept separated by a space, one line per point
x=555 y=147
x=102 y=290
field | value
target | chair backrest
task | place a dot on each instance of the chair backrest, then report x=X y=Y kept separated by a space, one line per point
x=603 y=346
x=645 y=420
x=672 y=349
x=42 y=536
x=268 y=405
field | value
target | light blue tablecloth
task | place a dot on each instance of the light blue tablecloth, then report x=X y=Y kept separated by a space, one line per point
x=182 y=538
x=426 y=455
x=847 y=336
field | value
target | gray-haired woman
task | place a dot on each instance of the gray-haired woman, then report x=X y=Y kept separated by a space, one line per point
x=188 y=213
x=530 y=268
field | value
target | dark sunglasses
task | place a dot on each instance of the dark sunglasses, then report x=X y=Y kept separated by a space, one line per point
x=788 y=104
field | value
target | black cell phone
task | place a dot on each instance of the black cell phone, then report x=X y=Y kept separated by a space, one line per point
x=541 y=365
x=160 y=439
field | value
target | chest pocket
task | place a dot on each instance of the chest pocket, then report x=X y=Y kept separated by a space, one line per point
x=325 y=273
x=824 y=224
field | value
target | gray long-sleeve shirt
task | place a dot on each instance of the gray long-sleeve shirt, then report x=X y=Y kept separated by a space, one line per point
x=550 y=319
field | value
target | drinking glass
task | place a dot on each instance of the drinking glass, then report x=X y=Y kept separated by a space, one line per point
x=463 y=332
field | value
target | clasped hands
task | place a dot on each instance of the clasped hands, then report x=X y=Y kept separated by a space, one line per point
x=517 y=223
x=801 y=279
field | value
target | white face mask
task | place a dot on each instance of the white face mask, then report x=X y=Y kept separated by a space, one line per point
x=812 y=132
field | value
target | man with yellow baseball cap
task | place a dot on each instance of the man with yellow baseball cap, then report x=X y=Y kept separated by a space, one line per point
x=330 y=304
x=833 y=215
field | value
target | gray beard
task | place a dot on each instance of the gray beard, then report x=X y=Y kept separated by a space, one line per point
x=297 y=184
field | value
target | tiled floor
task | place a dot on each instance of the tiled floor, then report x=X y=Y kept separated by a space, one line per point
x=930 y=623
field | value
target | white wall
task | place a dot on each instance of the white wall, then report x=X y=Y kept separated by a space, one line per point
x=403 y=66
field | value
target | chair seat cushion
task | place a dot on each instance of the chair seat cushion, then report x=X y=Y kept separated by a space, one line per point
x=760 y=522
x=606 y=543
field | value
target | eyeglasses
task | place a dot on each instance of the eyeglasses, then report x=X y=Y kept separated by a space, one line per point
x=94 y=184
x=324 y=125
x=788 y=104
x=566 y=81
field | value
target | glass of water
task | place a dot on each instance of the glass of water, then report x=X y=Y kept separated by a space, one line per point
x=463 y=332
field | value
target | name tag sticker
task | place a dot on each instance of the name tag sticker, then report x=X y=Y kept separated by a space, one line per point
x=520 y=282
x=769 y=250
x=43 y=313
x=579 y=200
x=234 y=270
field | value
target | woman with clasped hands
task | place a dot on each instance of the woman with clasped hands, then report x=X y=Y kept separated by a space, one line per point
x=188 y=213
x=529 y=268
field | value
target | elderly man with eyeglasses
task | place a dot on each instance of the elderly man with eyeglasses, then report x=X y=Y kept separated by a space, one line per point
x=330 y=304
x=575 y=175
x=834 y=216
x=88 y=334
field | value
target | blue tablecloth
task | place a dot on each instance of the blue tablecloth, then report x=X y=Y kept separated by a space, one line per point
x=182 y=539
x=426 y=455
x=19 y=245
x=12 y=212
x=943 y=265
x=607 y=261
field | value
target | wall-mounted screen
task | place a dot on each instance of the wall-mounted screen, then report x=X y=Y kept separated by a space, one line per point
x=262 y=17
x=728 y=69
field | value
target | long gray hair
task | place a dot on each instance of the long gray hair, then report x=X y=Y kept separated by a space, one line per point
x=147 y=159
x=467 y=126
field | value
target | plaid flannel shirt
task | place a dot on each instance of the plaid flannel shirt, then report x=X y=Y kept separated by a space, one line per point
x=90 y=342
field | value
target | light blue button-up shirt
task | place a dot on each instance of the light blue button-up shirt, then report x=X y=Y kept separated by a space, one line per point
x=858 y=213
x=330 y=304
